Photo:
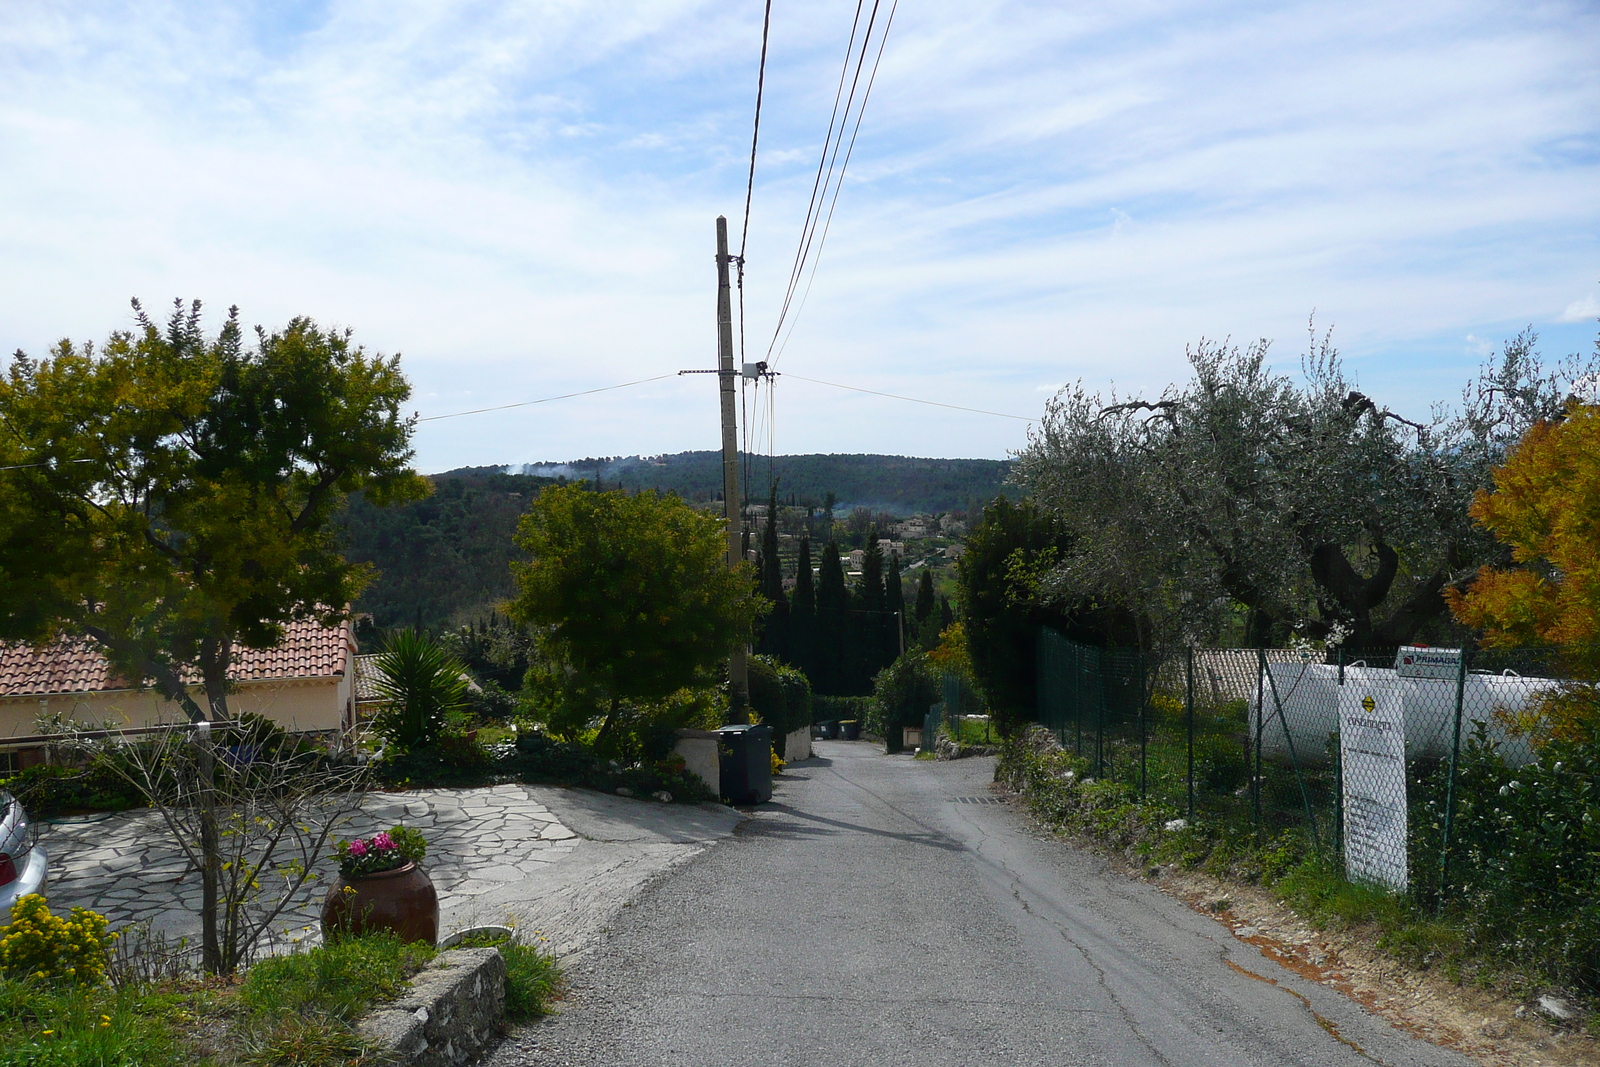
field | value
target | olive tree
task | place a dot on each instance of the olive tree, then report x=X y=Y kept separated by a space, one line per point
x=1309 y=505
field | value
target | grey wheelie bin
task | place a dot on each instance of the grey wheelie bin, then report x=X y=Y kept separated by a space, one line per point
x=746 y=763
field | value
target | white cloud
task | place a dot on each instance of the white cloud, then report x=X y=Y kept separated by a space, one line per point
x=1582 y=310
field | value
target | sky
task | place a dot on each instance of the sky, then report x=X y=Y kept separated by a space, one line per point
x=520 y=198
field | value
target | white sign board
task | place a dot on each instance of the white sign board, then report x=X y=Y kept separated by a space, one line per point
x=1420 y=661
x=1372 y=753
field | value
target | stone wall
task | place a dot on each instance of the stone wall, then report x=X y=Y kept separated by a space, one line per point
x=453 y=1009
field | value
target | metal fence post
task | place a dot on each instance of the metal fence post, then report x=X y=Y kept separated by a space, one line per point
x=1338 y=776
x=1294 y=761
x=1261 y=714
x=1188 y=690
x=1450 y=784
x=1077 y=700
x=1144 y=730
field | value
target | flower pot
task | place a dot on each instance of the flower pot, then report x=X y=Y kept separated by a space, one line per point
x=402 y=900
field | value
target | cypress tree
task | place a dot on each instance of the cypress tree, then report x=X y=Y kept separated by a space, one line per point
x=803 y=613
x=946 y=616
x=775 y=631
x=894 y=597
x=926 y=601
x=828 y=636
x=867 y=641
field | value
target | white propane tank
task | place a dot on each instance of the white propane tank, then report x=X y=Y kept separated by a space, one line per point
x=1308 y=694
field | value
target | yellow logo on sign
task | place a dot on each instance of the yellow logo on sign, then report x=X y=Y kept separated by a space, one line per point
x=1367 y=703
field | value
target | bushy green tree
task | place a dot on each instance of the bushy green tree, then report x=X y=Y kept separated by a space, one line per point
x=774 y=640
x=171 y=495
x=630 y=597
x=902 y=695
x=1008 y=554
x=830 y=638
x=781 y=696
x=1311 y=506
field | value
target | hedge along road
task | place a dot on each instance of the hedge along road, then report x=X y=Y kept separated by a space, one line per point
x=869 y=916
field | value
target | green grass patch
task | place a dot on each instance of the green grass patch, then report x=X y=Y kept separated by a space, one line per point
x=340 y=980
x=45 y=1025
x=533 y=977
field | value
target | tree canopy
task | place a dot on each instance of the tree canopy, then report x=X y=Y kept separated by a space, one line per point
x=1545 y=505
x=170 y=494
x=1311 y=506
x=631 y=595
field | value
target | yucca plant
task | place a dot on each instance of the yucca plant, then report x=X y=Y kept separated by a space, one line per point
x=421 y=685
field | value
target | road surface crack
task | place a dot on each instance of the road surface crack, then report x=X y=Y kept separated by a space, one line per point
x=1323 y=1021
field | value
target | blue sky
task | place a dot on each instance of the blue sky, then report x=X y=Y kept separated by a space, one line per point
x=520 y=197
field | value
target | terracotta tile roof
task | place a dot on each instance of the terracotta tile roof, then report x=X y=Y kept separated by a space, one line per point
x=366 y=675
x=75 y=665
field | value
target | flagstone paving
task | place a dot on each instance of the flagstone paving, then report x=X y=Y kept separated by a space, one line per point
x=481 y=844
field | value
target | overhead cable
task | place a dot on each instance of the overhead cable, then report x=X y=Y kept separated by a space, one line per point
x=830 y=151
x=828 y=223
x=546 y=400
x=817 y=186
x=911 y=399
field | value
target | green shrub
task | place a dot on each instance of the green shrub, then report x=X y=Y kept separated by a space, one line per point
x=48 y=789
x=422 y=687
x=902 y=694
x=780 y=696
x=839 y=709
x=36 y=944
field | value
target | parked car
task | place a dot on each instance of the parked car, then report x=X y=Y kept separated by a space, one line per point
x=23 y=863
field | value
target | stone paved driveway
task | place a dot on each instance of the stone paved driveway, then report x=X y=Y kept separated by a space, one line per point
x=482 y=844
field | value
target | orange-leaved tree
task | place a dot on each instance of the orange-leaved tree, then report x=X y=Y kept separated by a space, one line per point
x=1546 y=507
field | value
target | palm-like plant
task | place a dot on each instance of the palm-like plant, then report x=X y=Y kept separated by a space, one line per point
x=421 y=685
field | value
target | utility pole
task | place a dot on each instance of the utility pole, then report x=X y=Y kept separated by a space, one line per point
x=738 y=676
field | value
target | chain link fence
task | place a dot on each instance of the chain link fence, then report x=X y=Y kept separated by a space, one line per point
x=1251 y=739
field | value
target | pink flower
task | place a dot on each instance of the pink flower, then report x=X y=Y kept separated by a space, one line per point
x=383 y=841
x=358 y=847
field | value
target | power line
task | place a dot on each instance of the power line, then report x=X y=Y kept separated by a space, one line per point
x=828 y=224
x=911 y=399
x=43 y=463
x=546 y=400
x=798 y=267
x=755 y=135
x=809 y=230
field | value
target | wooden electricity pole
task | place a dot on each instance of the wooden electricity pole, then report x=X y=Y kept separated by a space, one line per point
x=738 y=675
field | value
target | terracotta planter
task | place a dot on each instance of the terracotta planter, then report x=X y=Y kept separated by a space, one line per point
x=402 y=900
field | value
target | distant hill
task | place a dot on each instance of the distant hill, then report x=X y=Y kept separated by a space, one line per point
x=900 y=485
x=448 y=558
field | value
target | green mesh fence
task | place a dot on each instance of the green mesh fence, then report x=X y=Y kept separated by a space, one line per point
x=1437 y=776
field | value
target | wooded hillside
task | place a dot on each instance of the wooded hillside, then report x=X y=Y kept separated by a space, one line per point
x=445 y=558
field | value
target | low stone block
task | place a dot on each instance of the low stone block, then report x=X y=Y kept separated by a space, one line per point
x=453 y=1009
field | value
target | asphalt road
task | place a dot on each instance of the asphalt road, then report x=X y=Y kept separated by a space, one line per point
x=868 y=916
